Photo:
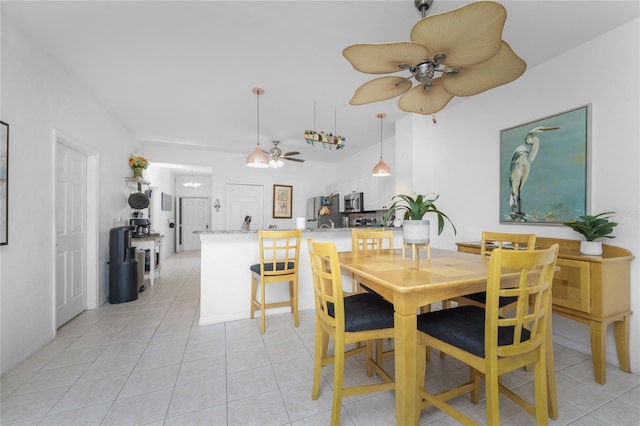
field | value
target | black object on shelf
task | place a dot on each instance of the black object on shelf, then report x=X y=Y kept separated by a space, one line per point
x=123 y=266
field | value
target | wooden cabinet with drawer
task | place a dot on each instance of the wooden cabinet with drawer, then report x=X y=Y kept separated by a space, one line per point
x=594 y=290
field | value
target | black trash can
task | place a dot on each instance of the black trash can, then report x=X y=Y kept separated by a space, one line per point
x=123 y=266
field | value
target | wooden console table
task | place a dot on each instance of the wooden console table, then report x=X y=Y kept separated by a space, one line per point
x=593 y=290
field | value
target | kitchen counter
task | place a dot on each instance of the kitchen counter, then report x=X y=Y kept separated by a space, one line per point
x=238 y=231
x=225 y=290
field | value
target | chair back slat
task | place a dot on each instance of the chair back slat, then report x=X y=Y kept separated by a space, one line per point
x=279 y=251
x=530 y=279
x=364 y=240
x=506 y=240
x=327 y=283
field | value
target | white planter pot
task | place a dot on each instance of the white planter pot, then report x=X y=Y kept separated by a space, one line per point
x=415 y=231
x=591 y=248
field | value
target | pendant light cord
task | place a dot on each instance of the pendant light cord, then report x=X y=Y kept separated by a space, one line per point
x=258 y=118
x=381 y=117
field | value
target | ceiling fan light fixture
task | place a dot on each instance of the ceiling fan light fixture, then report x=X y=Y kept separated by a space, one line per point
x=257 y=158
x=457 y=53
x=381 y=169
x=276 y=163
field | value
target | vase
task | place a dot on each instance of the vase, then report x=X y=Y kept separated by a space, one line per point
x=137 y=172
x=415 y=231
x=591 y=248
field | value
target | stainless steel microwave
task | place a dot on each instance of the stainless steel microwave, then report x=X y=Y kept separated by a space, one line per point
x=354 y=202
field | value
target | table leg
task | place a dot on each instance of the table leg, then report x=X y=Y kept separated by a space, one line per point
x=621 y=332
x=598 y=332
x=406 y=364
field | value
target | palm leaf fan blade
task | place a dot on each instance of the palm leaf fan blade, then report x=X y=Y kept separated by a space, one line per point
x=423 y=101
x=501 y=69
x=384 y=58
x=380 y=89
x=468 y=35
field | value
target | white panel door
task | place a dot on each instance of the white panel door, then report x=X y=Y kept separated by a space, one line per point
x=196 y=213
x=244 y=200
x=71 y=233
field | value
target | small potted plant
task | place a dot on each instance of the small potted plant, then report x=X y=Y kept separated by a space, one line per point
x=592 y=228
x=413 y=208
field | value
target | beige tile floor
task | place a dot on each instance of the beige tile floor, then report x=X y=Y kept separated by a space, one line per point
x=148 y=362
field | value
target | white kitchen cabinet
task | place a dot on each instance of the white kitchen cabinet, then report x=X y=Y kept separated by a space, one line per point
x=377 y=190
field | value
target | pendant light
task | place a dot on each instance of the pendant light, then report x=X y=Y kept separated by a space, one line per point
x=258 y=158
x=381 y=169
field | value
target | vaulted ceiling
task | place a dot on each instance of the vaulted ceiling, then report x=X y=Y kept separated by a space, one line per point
x=181 y=72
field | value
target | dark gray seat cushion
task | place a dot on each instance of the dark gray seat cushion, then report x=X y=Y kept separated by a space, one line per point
x=464 y=327
x=269 y=267
x=365 y=311
x=482 y=298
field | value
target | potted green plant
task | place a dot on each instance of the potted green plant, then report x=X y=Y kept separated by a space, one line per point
x=592 y=228
x=413 y=208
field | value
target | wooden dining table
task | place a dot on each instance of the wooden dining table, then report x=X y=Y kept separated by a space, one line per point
x=410 y=284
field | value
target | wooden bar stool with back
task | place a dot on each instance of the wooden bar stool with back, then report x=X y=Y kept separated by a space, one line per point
x=279 y=255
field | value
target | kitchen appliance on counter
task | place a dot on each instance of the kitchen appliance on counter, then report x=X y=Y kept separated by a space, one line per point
x=141 y=228
x=323 y=212
x=354 y=202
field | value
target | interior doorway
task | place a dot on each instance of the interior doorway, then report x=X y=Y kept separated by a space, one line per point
x=244 y=200
x=75 y=223
x=194 y=215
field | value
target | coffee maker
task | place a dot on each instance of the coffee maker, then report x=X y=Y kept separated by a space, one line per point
x=141 y=227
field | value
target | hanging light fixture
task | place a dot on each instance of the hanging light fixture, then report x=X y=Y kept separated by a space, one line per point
x=381 y=169
x=258 y=158
x=191 y=183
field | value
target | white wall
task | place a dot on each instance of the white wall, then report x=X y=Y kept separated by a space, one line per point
x=308 y=179
x=38 y=97
x=163 y=180
x=459 y=156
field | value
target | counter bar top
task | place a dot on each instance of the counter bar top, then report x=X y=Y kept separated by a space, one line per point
x=238 y=231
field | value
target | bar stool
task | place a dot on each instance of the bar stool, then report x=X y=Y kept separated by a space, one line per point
x=279 y=254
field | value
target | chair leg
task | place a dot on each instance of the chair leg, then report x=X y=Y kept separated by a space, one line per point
x=474 y=378
x=338 y=380
x=254 y=284
x=540 y=389
x=262 y=306
x=423 y=352
x=492 y=395
x=320 y=353
x=294 y=306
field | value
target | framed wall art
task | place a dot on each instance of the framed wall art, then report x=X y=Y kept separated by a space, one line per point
x=4 y=183
x=544 y=168
x=282 y=200
x=166 y=203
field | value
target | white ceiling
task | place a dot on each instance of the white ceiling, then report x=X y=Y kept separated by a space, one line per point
x=181 y=72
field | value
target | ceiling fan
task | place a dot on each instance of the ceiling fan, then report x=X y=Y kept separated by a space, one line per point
x=276 y=156
x=455 y=53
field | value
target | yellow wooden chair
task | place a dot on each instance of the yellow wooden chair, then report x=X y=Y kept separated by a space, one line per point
x=497 y=240
x=492 y=345
x=279 y=255
x=362 y=317
x=369 y=240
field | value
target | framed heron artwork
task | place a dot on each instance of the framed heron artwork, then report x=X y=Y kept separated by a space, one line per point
x=544 y=169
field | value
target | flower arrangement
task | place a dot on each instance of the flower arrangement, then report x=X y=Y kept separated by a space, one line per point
x=138 y=162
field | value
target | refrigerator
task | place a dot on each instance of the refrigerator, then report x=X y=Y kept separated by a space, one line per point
x=330 y=207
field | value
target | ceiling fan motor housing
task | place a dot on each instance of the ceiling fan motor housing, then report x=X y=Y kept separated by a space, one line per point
x=423 y=6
